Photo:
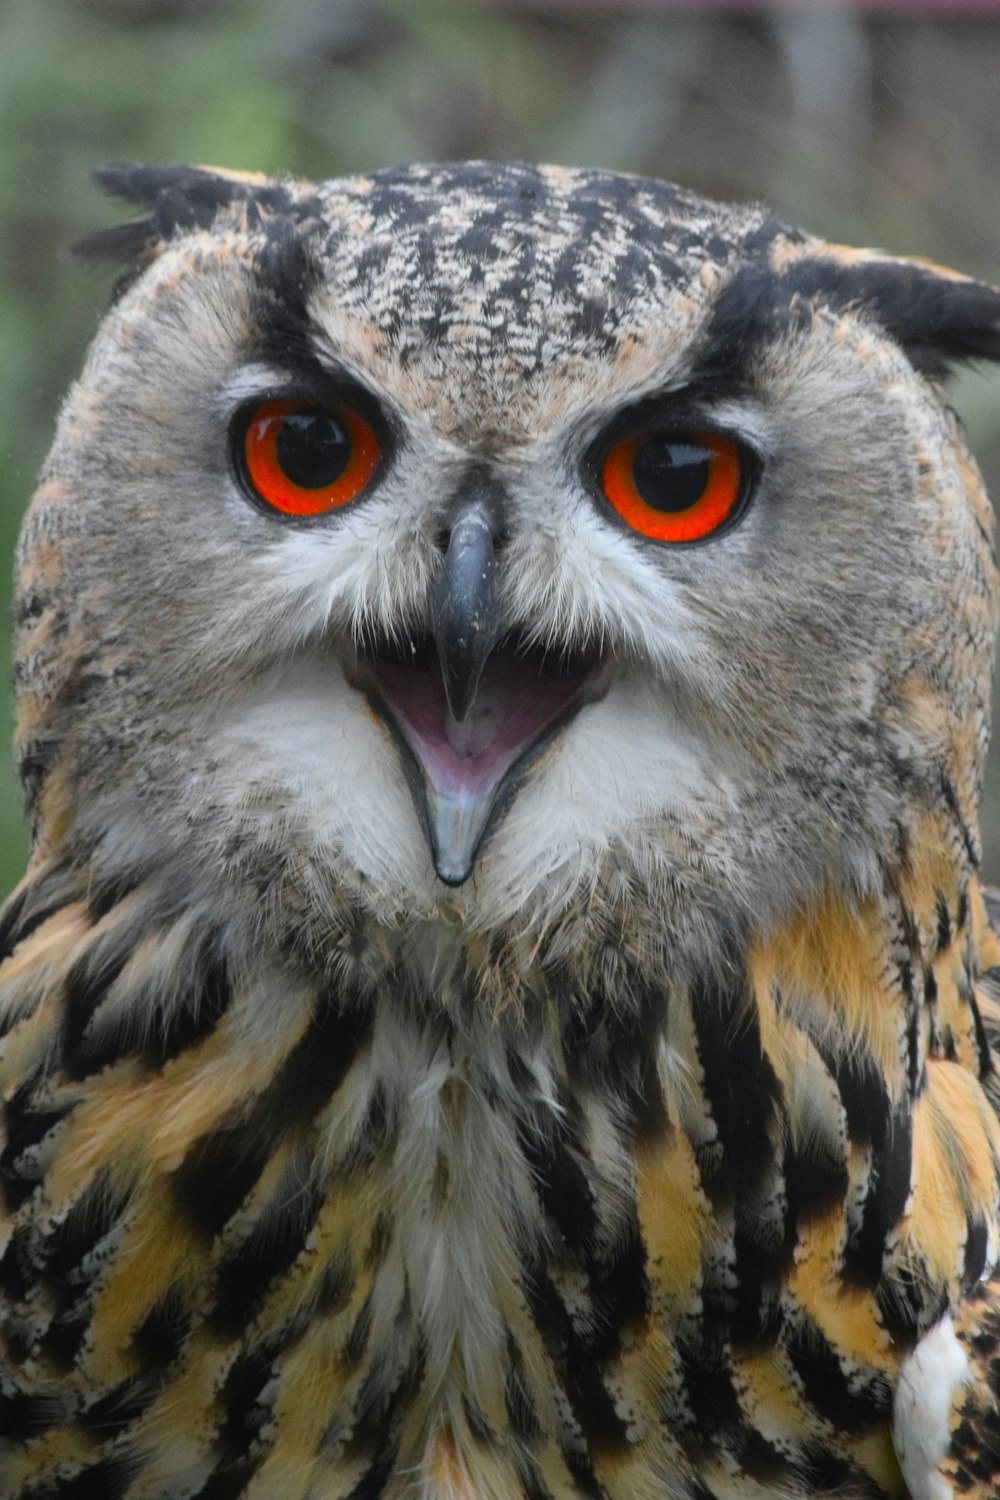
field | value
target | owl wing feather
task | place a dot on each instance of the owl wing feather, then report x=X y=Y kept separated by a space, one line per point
x=947 y=1408
x=971 y=1466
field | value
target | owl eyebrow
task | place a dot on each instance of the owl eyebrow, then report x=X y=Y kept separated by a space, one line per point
x=741 y=415
x=249 y=381
x=314 y=379
x=731 y=406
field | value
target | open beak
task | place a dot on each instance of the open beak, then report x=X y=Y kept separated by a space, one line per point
x=470 y=703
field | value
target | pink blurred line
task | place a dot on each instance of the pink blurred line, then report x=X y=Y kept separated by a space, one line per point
x=940 y=7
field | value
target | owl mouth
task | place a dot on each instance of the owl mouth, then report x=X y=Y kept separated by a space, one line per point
x=463 y=774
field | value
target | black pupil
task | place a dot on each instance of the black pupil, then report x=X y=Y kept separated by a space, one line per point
x=670 y=474
x=313 y=449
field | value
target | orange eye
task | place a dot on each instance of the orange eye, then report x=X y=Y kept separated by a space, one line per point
x=305 y=460
x=674 y=487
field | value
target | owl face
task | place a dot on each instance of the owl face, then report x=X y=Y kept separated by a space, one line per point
x=487 y=546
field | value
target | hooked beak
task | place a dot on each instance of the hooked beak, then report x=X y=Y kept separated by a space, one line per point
x=465 y=616
x=472 y=704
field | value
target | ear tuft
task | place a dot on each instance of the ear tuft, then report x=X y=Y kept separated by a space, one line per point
x=939 y=317
x=179 y=199
x=146 y=185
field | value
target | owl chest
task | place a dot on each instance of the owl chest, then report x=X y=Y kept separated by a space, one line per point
x=439 y=1228
x=401 y=1252
x=400 y=1313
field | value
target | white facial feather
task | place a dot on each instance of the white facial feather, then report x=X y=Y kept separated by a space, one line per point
x=304 y=736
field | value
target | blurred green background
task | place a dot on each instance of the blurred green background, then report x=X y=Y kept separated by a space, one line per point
x=879 y=126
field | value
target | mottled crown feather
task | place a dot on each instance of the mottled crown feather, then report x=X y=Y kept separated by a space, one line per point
x=938 y=316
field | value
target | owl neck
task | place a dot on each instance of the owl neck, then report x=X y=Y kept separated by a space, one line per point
x=127 y=973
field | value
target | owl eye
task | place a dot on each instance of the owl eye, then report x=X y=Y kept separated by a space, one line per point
x=675 y=487
x=303 y=460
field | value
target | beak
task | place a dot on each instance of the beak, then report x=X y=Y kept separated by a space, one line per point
x=465 y=625
x=465 y=617
x=471 y=703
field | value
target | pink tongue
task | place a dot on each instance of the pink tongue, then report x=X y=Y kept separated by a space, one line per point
x=463 y=765
x=516 y=699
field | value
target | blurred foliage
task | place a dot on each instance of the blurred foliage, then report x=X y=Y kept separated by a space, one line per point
x=866 y=127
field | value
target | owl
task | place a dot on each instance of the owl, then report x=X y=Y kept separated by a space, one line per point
x=501 y=1006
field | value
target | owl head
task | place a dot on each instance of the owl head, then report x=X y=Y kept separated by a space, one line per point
x=503 y=549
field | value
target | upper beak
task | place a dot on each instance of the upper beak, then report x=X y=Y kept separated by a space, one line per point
x=465 y=615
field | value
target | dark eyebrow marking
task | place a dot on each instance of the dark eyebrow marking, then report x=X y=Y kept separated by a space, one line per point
x=748 y=312
x=284 y=276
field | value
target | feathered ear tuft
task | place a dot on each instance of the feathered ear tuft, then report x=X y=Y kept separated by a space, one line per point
x=939 y=317
x=180 y=199
x=211 y=187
